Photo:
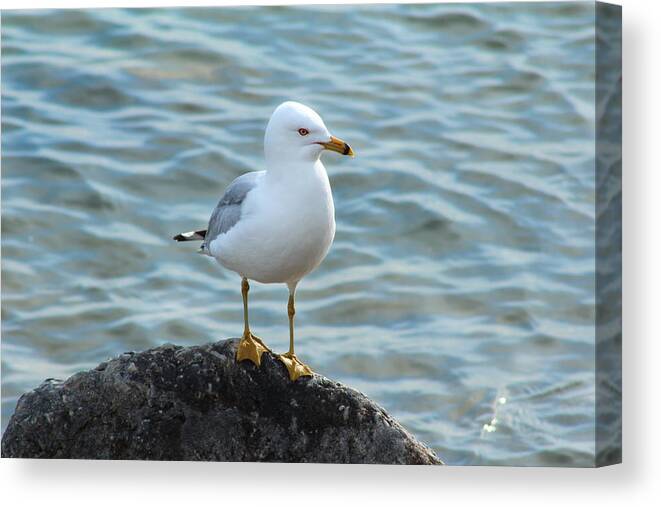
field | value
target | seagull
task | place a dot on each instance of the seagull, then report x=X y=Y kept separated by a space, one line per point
x=277 y=225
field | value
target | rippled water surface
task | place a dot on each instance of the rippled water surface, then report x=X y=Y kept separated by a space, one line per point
x=459 y=292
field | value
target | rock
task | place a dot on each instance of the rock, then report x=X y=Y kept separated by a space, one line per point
x=197 y=403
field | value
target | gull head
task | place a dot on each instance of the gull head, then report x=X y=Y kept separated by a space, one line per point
x=297 y=134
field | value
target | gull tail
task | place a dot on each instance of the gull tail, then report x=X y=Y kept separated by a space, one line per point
x=191 y=236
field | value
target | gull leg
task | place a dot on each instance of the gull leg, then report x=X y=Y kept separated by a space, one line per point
x=250 y=347
x=294 y=366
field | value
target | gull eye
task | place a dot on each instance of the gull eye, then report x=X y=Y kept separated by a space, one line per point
x=303 y=132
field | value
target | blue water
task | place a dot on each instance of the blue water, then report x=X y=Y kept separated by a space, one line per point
x=459 y=292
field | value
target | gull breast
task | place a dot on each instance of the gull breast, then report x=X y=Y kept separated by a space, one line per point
x=285 y=231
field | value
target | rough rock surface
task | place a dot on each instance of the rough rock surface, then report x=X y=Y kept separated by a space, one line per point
x=197 y=403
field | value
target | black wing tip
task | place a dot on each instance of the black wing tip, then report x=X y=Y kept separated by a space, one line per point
x=190 y=236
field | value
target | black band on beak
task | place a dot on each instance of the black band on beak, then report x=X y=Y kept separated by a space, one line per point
x=337 y=145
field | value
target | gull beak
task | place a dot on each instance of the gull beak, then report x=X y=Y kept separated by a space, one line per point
x=338 y=145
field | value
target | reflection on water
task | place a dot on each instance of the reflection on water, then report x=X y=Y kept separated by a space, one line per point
x=459 y=292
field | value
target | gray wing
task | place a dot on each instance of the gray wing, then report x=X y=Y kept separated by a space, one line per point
x=228 y=211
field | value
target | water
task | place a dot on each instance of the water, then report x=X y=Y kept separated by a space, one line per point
x=459 y=292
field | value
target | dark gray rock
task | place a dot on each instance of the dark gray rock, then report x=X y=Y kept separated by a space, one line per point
x=197 y=403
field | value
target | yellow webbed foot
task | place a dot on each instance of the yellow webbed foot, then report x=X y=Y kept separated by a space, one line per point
x=251 y=348
x=295 y=367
